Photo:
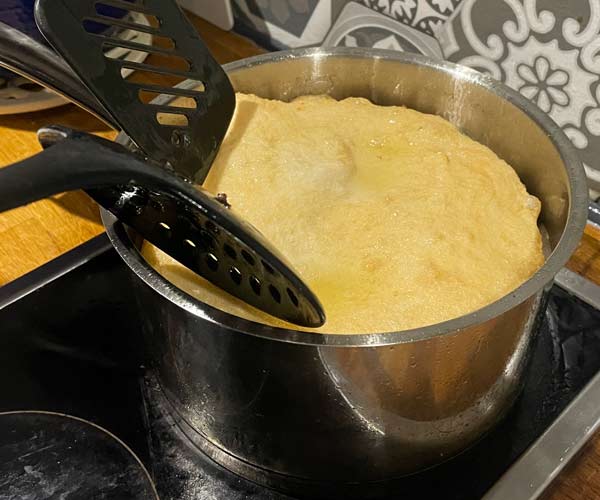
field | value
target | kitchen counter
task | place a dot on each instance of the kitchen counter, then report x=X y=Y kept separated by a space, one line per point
x=35 y=234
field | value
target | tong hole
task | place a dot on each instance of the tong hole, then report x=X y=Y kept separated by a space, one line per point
x=29 y=86
x=275 y=294
x=292 y=297
x=163 y=227
x=255 y=284
x=229 y=251
x=212 y=262
x=247 y=257
x=106 y=26
x=198 y=85
x=157 y=40
x=235 y=274
x=145 y=73
x=206 y=239
x=267 y=267
x=117 y=10
x=172 y=119
x=112 y=50
x=190 y=243
x=93 y=26
x=108 y=9
x=146 y=96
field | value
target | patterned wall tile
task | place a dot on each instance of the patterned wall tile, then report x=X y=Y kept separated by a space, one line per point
x=283 y=23
x=425 y=15
x=359 y=26
x=547 y=50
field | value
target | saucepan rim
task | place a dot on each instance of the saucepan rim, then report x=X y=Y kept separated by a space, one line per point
x=576 y=219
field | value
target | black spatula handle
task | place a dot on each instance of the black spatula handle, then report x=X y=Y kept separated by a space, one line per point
x=187 y=223
x=75 y=161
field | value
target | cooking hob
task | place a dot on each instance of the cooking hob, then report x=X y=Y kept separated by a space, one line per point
x=82 y=418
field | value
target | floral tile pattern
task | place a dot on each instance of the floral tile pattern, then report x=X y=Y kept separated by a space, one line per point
x=542 y=84
x=426 y=16
x=548 y=50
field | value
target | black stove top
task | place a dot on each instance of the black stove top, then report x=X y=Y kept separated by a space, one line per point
x=71 y=344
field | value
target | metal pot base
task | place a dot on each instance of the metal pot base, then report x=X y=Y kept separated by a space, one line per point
x=291 y=485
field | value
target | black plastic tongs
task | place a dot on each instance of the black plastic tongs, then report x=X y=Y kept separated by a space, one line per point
x=151 y=189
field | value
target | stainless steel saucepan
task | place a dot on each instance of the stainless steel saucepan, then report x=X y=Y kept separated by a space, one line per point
x=314 y=412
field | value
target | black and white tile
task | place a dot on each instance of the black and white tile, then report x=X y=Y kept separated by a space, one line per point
x=359 y=26
x=425 y=15
x=284 y=23
x=547 y=50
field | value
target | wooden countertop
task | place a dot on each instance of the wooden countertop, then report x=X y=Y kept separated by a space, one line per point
x=35 y=234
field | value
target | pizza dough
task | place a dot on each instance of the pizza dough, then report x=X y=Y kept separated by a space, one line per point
x=394 y=218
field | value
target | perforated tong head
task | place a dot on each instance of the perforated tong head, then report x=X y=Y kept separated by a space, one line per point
x=189 y=224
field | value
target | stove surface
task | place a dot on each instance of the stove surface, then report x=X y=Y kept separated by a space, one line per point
x=71 y=344
x=51 y=455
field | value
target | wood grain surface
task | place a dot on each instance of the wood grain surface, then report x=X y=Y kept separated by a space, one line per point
x=35 y=234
